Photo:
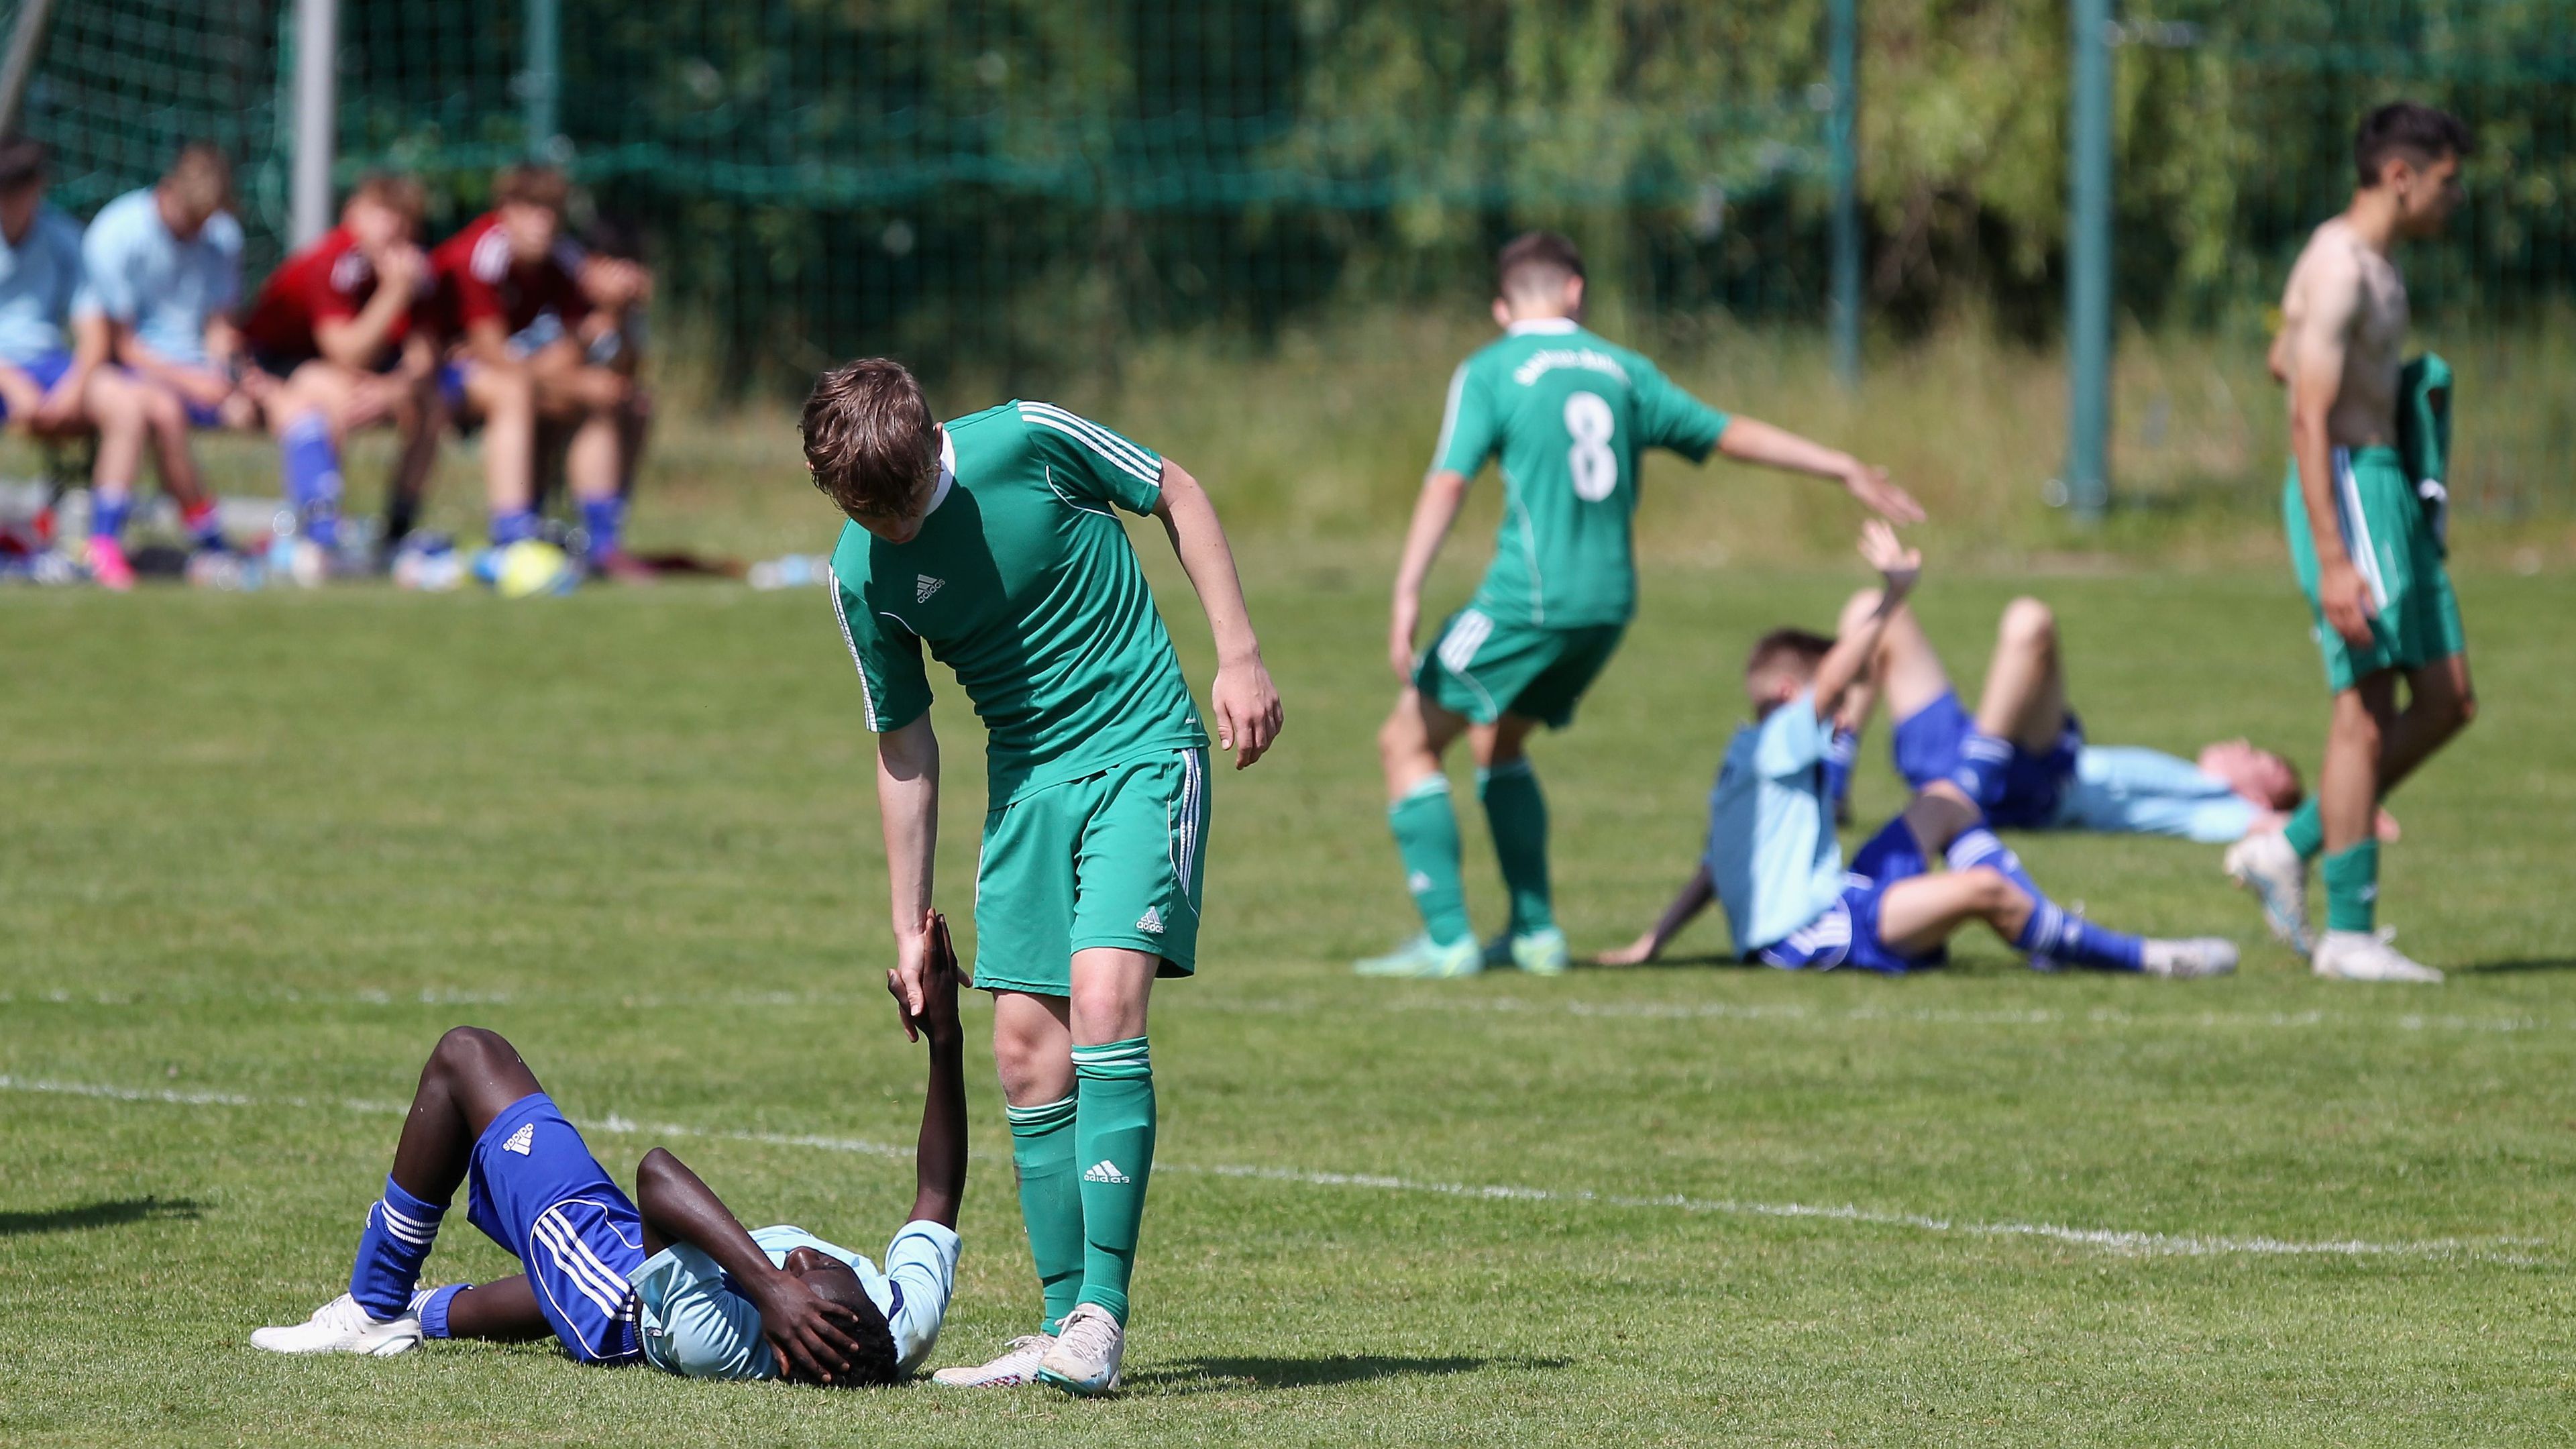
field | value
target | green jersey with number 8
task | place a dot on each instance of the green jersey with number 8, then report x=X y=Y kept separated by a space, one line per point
x=1568 y=413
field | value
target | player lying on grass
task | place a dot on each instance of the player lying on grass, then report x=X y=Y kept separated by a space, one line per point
x=1568 y=416
x=2022 y=757
x=991 y=540
x=670 y=1277
x=1772 y=859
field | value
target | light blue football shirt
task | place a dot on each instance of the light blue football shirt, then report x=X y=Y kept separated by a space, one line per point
x=2148 y=792
x=38 y=276
x=135 y=272
x=1771 y=848
x=695 y=1323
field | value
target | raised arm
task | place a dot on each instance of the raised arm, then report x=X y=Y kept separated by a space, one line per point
x=1444 y=492
x=908 y=809
x=1748 y=440
x=939 y=1163
x=2314 y=341
x=1845 y=663
x=1247 y=709
x=1687 y=903
x=810 y=1334
x=354 y=341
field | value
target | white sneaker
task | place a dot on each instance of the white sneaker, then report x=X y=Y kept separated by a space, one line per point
x=1017 y=1364
x=2266 y=865
x=341 y=1326
x=2368 y=956
x=2196 y=956
x=1089 y=1346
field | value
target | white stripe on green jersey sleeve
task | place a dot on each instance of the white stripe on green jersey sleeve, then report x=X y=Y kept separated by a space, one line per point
x=893 y=688
x=1093 y=461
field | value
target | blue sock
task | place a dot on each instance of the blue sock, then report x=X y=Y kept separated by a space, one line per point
x=310 y=462
x=603 y=519
x=1977 y=845
x=429 y=1305
x=1838 y=765
x=2053 y=934
x=516 y=526
x=1980 y=771
x=400 y=1229
x=107 y=515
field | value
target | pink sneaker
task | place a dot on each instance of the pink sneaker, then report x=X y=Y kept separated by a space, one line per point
x=107 y=565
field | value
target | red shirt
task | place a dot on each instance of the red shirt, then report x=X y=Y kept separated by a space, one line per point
x=478 y=280
x=328 y=281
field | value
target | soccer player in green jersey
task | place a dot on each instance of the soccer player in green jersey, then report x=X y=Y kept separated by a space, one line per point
x=991 y=539
x=1568 y=414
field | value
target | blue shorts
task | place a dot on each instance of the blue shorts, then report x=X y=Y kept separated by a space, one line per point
x=1847 y=933
x=1928 y=744
x=538 y=1192
x=47 y=370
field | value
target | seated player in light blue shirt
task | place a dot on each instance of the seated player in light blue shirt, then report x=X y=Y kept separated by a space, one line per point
x=40 y=269
x=160 y=276
x=1773 y=862
x=669 y=1277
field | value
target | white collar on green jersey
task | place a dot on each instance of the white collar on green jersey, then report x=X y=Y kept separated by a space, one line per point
x=1541 y=324
x=947 y=472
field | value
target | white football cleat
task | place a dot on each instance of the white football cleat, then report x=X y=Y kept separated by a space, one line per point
x=341 y=1326
x=2195 y=956
x=1017 y=1365
x=2368 y=956
x=1089 y=1346
x=2266 y=865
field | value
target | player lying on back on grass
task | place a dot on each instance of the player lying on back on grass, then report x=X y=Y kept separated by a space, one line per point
x=2022 y=757
x=1774 y=863
x=1567 y=415
x=670 y=1277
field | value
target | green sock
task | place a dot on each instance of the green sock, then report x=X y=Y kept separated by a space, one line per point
x=1426 y=836
x=2352 y=887
x=2306 y=831
x=1113 y=1133
x=1042 y=1139
x=1516 y=812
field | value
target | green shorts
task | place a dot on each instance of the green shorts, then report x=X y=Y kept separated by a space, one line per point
x=2392 y=544
x=1485 y=670
x=1113 y=859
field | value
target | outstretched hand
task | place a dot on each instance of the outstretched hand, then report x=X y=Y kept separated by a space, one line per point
x=1896 y=563
x=1881 y=497
x=909 y=980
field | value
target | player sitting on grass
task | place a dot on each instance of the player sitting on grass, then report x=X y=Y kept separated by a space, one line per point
x=670 y=1277
x=2023 y=756
x=991 y=540
x=1568 y=415
x=1774 y=863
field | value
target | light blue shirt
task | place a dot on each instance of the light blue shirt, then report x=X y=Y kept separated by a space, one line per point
x=37 y=279
x=695 y=1323
x=1771 y=848
x=2148 y=792
x=136 y=273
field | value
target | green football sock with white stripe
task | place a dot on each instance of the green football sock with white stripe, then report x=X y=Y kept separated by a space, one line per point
x=2306 y=830
x=1042 y=1140
x=1114 y=1139
x=1516 y=812
x=1426 y=836
x=2352 y=887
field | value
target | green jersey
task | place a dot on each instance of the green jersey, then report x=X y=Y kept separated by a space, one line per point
x=1568 y=413
x=1023 y=583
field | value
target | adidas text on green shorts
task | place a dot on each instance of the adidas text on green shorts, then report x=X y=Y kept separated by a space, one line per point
x=1112 y=859
x=2394 y=548
x=1485 y=668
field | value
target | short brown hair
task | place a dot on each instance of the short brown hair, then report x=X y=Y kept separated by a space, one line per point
x=869 y=437
x=2419 y=133
x=1795 y=652
x=1535 y=261
x=397 y=193
x=200 y=178
x=529 y=184
x=23 y=162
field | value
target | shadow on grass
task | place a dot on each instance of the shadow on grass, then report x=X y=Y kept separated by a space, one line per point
x=113 y=1213
x=1221 y=1375
x=2502 y=968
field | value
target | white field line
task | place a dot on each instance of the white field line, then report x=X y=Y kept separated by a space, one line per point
x=2112 y=1240
x=2102 y=1016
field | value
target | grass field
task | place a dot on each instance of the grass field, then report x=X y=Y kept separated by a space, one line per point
x=260 y=850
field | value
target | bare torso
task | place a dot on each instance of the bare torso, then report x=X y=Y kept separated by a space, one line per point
x=2346 y=301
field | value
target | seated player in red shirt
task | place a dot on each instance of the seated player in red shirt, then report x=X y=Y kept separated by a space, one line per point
x=334 y=326
x=513 y=310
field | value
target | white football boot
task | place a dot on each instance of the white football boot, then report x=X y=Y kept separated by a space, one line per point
x=341 y=1326
x=2195 y=956
x=2266 y=865
x=1017 y=1364
x=2368 y=956
x=1089 y=1346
